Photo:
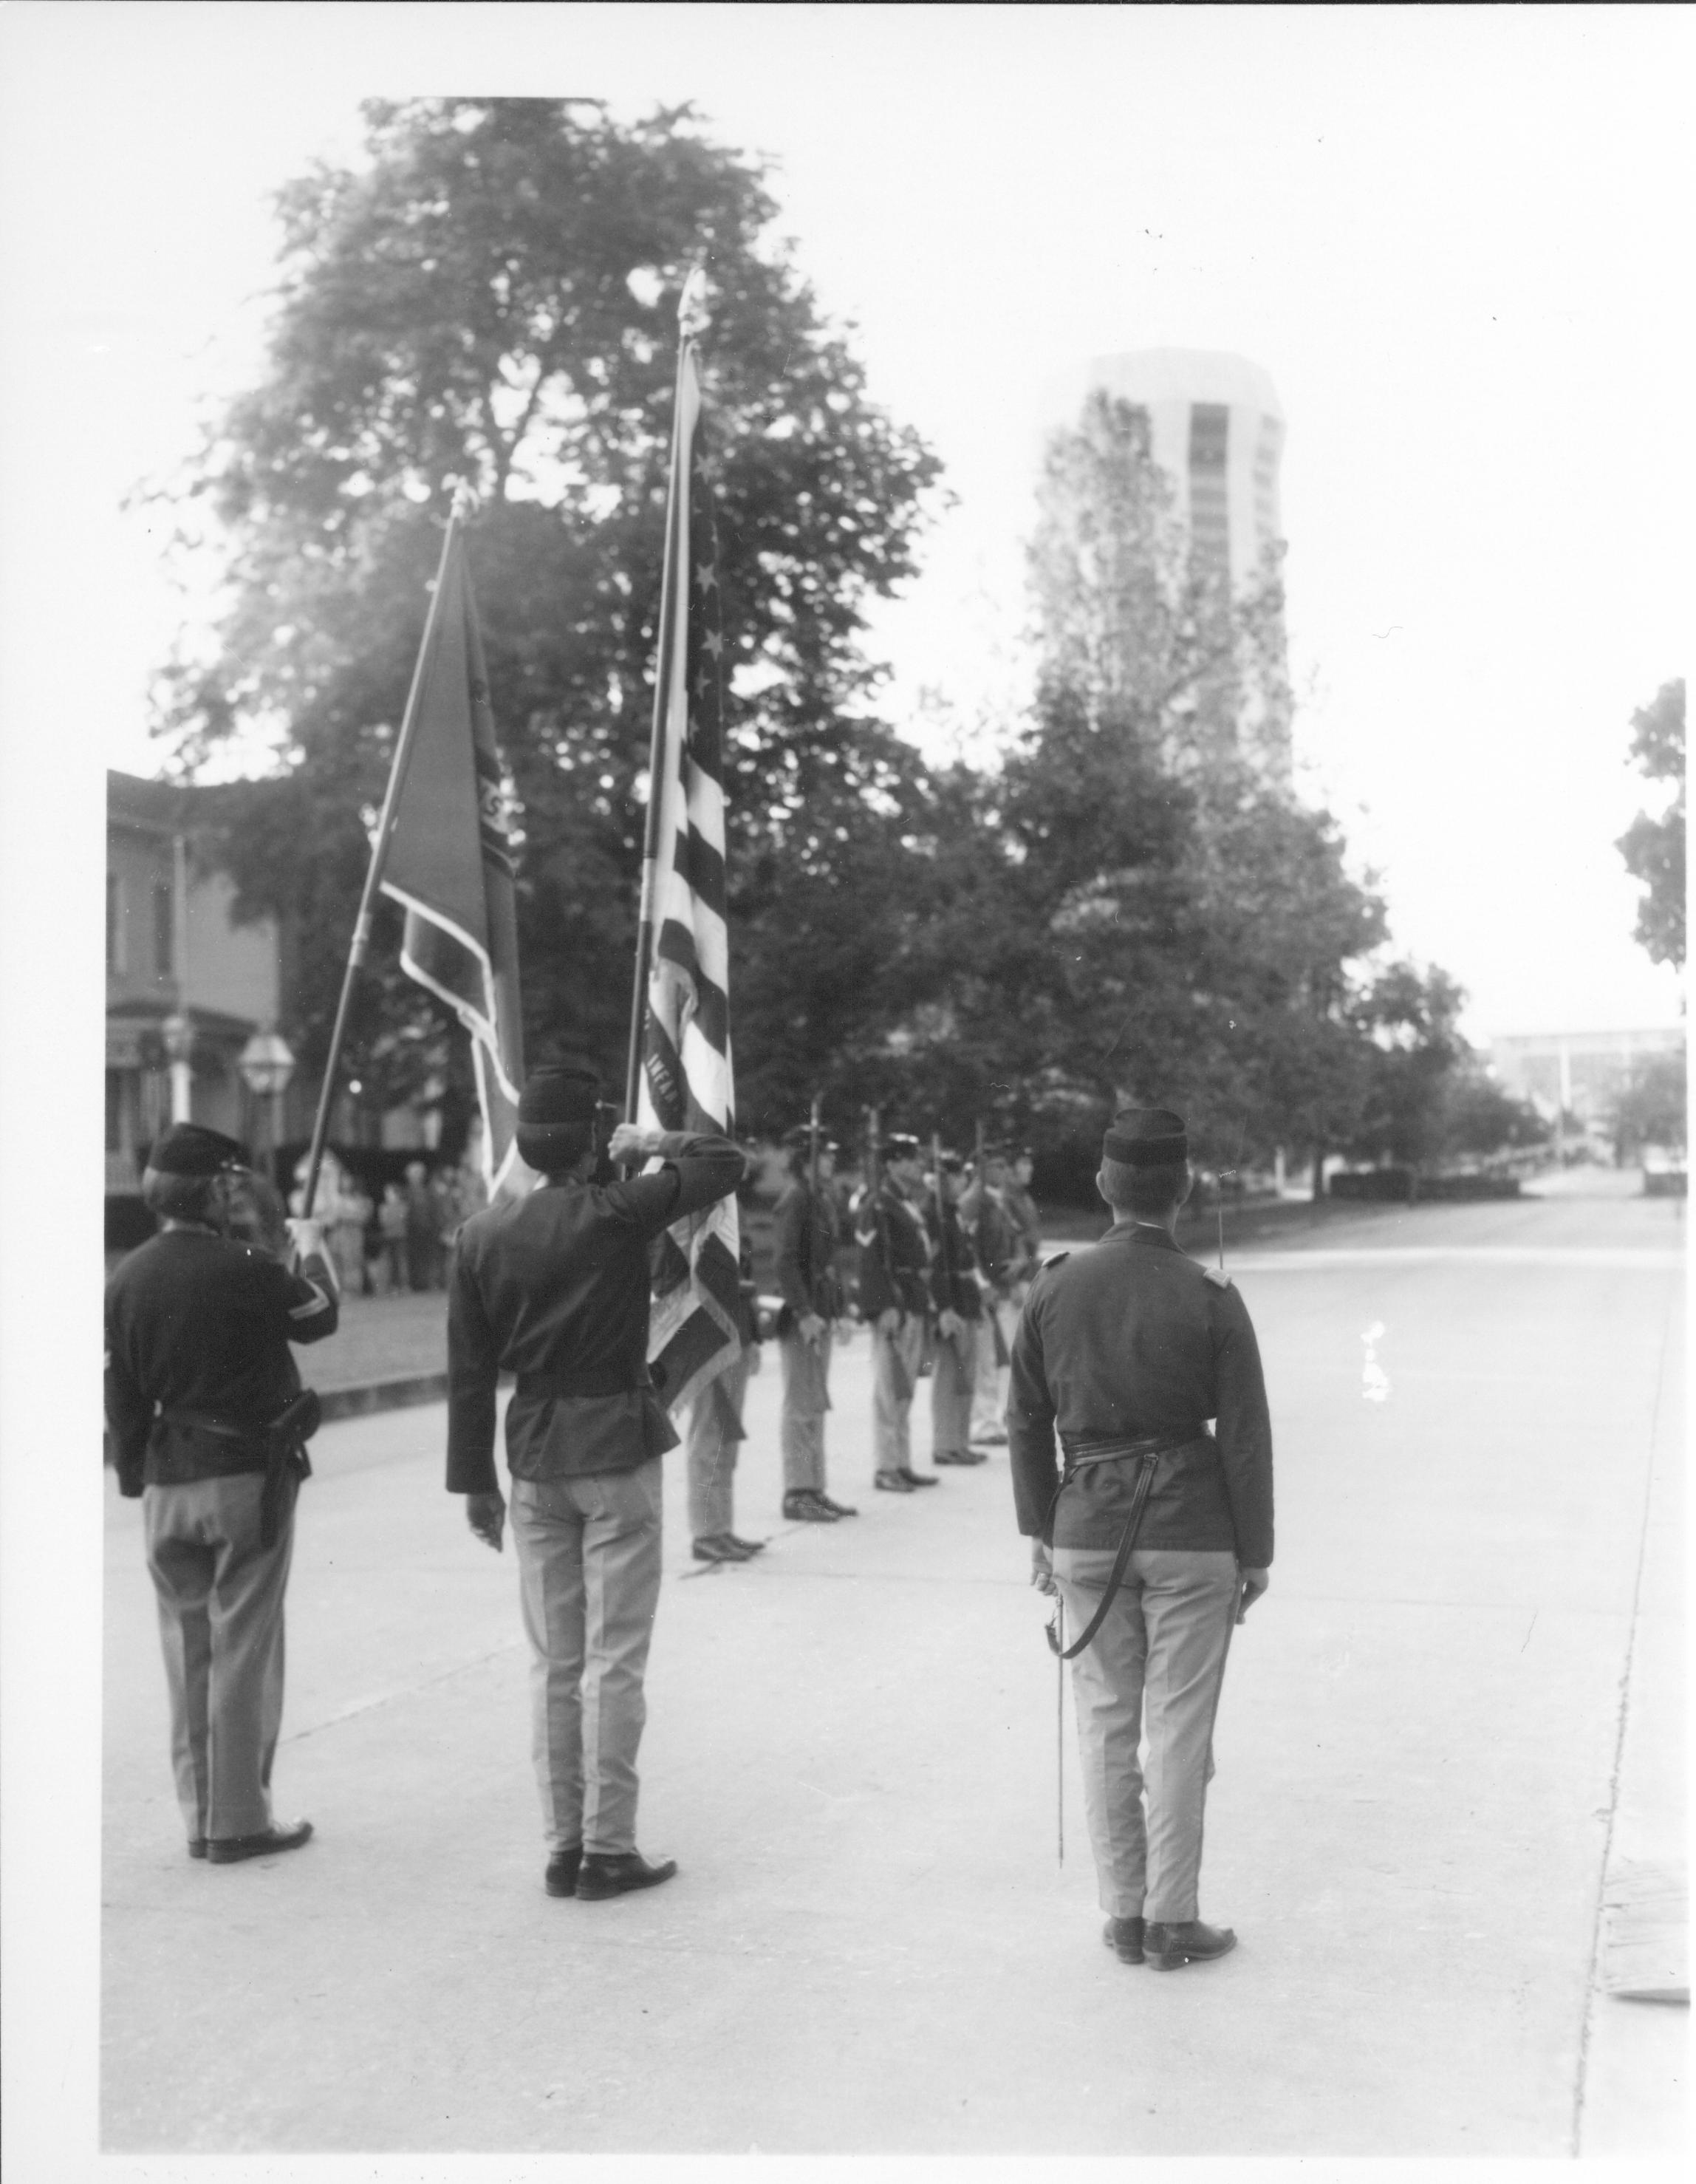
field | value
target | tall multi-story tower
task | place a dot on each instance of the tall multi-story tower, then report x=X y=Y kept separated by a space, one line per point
x=1216 y=430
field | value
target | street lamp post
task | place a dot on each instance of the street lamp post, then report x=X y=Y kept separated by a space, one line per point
x=178 y=1038
x=266 y=1065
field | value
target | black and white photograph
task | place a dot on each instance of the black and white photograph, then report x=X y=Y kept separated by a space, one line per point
x=874 y=816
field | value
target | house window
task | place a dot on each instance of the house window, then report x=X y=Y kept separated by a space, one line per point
x=115 y=923
x=164 y=934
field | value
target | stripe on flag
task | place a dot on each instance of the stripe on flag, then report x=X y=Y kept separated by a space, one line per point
x=450 y=862
x=686 y=1082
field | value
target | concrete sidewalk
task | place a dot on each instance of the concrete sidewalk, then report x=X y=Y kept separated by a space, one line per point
x=851 y=1748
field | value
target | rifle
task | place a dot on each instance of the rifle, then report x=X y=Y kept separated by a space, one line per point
x=810 y=1229
x=945 y=1249
x=879 y=1236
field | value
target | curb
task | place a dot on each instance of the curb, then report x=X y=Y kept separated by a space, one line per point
x=393 y=1394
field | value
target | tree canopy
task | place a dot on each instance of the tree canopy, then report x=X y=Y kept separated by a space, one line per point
x=489 y=302
x=1653 y=847
x=1132 y=904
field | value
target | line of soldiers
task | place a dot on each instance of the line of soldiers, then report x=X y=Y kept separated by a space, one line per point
x=1138 y=1439
x=945 y=1254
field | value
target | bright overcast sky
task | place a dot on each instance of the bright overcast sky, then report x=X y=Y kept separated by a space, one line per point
x=1458 y=241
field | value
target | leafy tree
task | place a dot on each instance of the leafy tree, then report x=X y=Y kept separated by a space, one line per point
x=1131 y=623
x=1653 y=848
x=1135 y=907
x=1480 y=1118
x=1651 y=1106
x=488 y=302
x=1411 y=1046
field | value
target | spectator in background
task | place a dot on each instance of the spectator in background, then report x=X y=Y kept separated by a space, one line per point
x=423 y=1229
x=392 y=1226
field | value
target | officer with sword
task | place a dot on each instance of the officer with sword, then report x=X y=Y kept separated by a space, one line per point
x=1153 y=1520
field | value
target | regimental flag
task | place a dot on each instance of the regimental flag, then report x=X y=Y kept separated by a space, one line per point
x=686 y=1081
x=449 y=860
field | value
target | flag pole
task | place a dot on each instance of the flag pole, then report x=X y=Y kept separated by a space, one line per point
x=687 y=303
x=380 y=850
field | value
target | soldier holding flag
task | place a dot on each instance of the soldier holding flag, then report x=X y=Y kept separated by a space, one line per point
x=554 y=1287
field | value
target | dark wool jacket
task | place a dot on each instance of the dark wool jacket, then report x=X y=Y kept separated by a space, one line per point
x=953 y=1281
x=554 y=1287
x=198 y=1323
x=1127 y=1339
x=894 y=1253
x=805 y=1229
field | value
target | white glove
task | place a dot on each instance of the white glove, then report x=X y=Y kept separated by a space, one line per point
x=308 y=1240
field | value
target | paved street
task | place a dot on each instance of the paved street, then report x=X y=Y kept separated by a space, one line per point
x=1458 y=1701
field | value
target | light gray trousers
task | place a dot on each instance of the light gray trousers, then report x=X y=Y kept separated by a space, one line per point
x=954 y=1375
x=895 y=1360
x=1155 y=1666
x=710 y=1443
x=220 y=1606
x=806 y=1398
x=588 y=1569
x=989 y=1396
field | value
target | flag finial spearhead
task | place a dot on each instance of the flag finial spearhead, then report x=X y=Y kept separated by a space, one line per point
x=692 y=316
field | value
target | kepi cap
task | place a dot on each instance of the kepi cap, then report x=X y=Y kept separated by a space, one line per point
x=800 y=1139
x=1146 y=1137
x=190 y=1149
x=557 y=1095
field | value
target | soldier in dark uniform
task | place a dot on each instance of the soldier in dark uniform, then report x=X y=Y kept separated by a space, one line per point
x=895 y=1296
x=1127 y=1349
x=714 y=1433
x=804 y=1233
x=554 y=1287
x=958 y=1299
x=1020 y=1203
x=198 y=1373
x=1001 y=1251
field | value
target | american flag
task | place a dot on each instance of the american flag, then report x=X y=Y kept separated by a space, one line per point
x=686 y=1082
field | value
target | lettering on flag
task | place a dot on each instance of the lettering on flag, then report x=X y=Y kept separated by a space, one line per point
x=687 y=1081
x=450 y=863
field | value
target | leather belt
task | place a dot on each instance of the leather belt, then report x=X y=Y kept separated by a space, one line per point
x=613 y=1380
x=203 y=1422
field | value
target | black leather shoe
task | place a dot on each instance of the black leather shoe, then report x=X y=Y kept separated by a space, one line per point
x=1185 y=1941
x=918 y=1478
x=800 y=1507
x=959 y=1456
x=717 y=1547
x=748 y=1547
x=1123 y=1936
x=834 y=1508
x=893 y=1482
x=231 y=1850
x=604 y=1874
x=561 y=1876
